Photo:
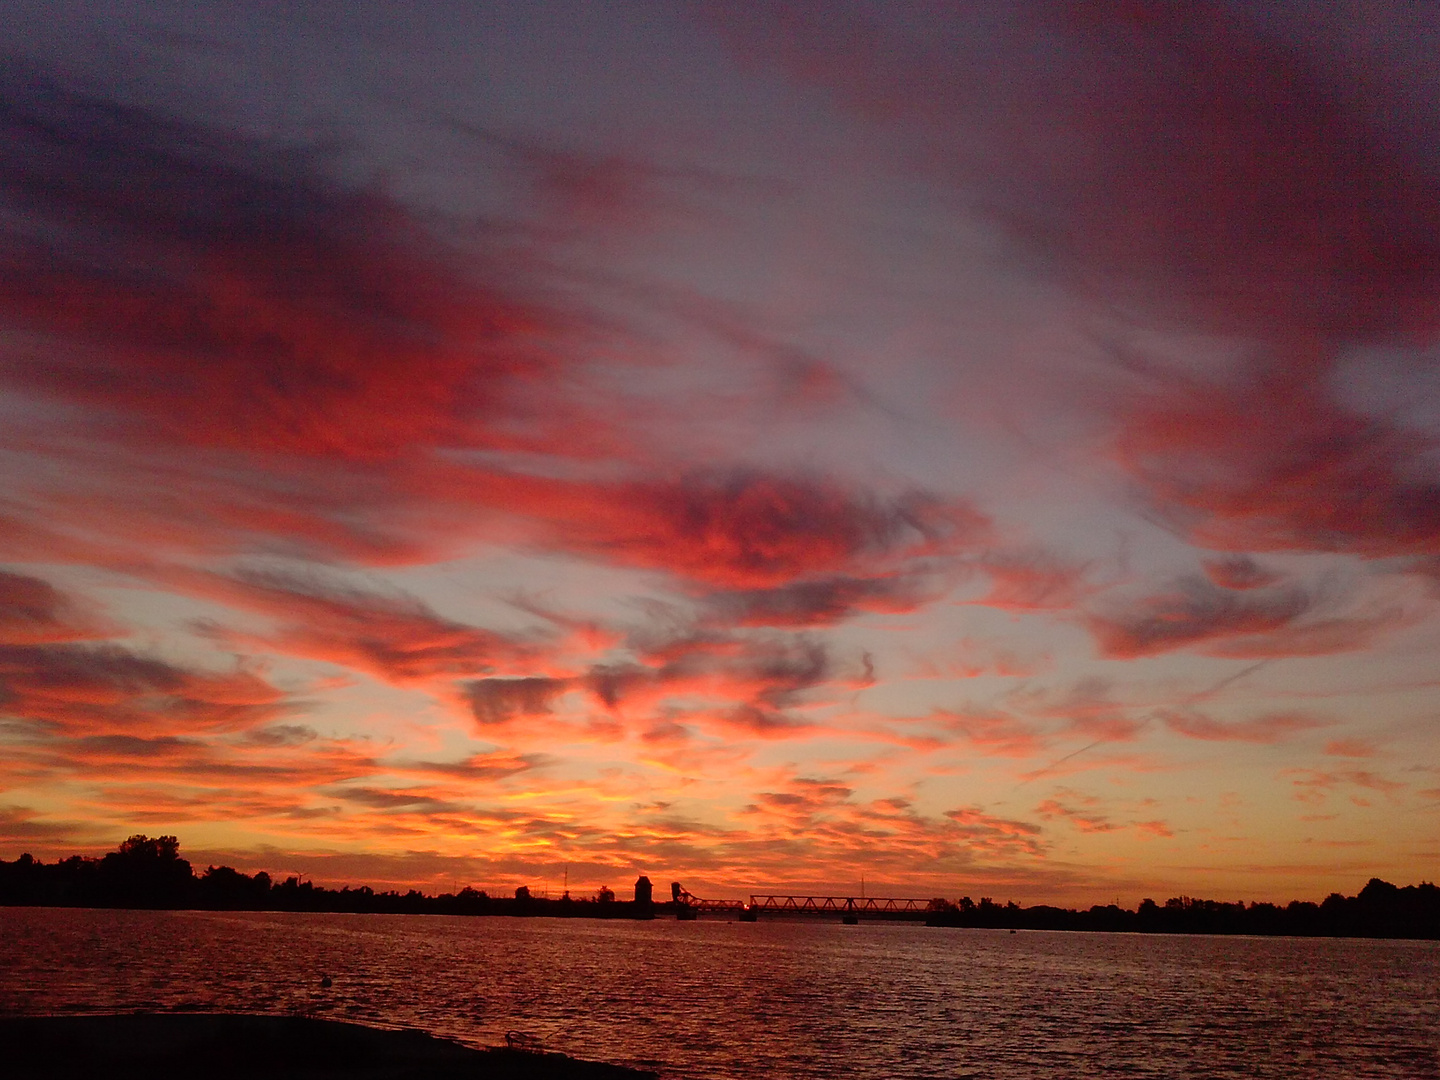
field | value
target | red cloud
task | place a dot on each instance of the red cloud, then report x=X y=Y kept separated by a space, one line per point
x=739 y=530
x=799 y=807
x=1032 y=581
x=995 y=732
x=261 y=354
x=212 y=771
x=1314 y=786
x=1212 y=171
x=390 y=635
x=1239 y=572
x=1235 y=164
x=1250 y=622
x=1355 y=748
x=1089 y=819
x=21 y=826
x=738 y=684
x=223 y=295
x=119 y=701
x=1084 y=820
x=269 y=359
x=1275 y=463
x=34 y=612
x=1314 y=637
x=1268 y=729
x=499 y=701
x=987 y=832
x=822 y=818
x=1086 y=707
x=482 y=767
x=103 y=688
x=818 y=602
x=1195 y=613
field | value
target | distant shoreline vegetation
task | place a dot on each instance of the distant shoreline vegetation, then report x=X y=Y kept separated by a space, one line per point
x=148 y=873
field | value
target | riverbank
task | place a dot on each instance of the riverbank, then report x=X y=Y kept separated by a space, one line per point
x=227 y=1046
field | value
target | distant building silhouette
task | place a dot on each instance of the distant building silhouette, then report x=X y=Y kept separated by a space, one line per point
x=644 y=891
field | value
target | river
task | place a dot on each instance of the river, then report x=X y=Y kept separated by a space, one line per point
x=728 y=1000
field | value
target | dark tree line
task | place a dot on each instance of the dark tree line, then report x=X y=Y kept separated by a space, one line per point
x=1382 y=910
x=148 y=872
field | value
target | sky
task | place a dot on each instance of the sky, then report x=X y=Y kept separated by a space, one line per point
x=983 y=450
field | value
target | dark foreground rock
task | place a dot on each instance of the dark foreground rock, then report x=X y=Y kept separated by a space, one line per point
x=211 y=1046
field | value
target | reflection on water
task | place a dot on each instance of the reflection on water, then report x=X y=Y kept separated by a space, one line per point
x=721 y=1000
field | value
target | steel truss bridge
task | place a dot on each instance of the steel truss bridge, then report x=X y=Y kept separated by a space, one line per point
x=875 y=907
x=840 y=905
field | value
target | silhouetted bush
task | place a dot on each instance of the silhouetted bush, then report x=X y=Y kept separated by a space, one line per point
x=1381 y=910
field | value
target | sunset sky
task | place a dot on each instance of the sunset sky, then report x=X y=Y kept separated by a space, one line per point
x=990 y=449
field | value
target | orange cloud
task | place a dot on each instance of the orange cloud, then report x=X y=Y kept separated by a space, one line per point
x=1087 y=816
x=1314 y=786
x=1084 y=820
x=104 y=688
x=994 y=732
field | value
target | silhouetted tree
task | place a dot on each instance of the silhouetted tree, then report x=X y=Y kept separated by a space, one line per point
x=146 y=872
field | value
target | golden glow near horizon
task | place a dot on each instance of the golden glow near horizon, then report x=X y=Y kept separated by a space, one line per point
x=749 y=453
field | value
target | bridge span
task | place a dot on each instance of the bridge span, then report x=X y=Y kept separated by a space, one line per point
x=841 y=905
x=849 y=908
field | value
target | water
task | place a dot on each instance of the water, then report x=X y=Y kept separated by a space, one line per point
x=722 y=1000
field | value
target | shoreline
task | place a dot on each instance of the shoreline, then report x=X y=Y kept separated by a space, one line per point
x=1051 y=920
x=232 y=1046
